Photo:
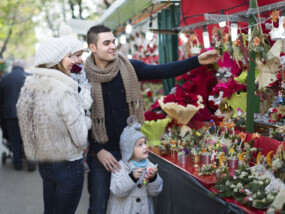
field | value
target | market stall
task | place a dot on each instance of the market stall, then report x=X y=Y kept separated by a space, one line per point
x=203 y=130
x=223 y=154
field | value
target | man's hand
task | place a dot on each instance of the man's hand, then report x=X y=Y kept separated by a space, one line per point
x=137 y=173
x=208 y=57
x=108 y=161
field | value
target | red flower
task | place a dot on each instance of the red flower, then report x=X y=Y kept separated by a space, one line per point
x=153 y=116
x=149 y=94
x=274 y=110
x=182 y=97
x=228 y=88
x=232 y=174
x=154 y=106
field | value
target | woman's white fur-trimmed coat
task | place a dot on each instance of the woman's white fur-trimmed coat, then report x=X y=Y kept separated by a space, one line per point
x=51 y=119
x=130 y=197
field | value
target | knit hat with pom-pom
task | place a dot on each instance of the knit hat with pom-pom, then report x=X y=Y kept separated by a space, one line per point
x=129 y=137
x=51 y=52
x=65 y=33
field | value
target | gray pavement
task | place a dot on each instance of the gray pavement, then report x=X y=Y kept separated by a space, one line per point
x=21 y=191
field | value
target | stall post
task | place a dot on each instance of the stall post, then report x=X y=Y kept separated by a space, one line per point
x=252 y=100
x=168 y=43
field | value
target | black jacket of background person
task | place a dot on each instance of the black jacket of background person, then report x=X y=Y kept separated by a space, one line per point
x=115 y=104
x=10 y=87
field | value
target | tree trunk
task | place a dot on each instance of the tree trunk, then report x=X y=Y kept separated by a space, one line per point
x=107 y=3
x=72 y=8
x=5 y=43
x=80 y=8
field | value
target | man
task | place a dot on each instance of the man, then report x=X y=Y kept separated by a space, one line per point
x=116 y=94
x=10 y=87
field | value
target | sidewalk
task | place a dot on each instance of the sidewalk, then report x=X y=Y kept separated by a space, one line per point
x=21 y=191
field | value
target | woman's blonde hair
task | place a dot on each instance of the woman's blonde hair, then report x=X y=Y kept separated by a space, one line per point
x=58 y=66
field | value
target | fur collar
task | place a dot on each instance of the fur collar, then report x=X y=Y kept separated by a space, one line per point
x=47 y=72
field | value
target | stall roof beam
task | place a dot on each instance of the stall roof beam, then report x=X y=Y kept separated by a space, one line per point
x=136 y=10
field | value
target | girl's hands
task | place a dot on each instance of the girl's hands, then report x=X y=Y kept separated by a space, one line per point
x=152 y=172
x=137 y=173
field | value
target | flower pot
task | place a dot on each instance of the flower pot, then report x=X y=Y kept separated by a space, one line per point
x=237 y=100
x=196 y=160
x=183 y=159
x=233 y=164
x=206 y=159
x=164 y=152
x=153 y=130
x=173 y=153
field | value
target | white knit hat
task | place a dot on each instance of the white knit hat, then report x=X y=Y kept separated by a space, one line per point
x=51 y=52
x=65 y=33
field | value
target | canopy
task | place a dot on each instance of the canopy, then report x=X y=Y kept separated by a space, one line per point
x=193 y=11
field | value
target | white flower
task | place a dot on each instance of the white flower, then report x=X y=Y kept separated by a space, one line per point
x=260 y=182
x=228 y=183
x=277 y=164
x=239 y=186
x=232 y=186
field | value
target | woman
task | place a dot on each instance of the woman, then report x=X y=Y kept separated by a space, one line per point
x=53 y=126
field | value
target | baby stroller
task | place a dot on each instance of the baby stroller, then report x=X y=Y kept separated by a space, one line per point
x=9 y=154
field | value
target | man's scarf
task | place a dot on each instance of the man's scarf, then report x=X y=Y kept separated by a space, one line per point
x=96 y=76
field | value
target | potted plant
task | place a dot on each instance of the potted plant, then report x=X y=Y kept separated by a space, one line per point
x=196 y=155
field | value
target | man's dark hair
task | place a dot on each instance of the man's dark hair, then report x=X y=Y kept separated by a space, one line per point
x=92 y=34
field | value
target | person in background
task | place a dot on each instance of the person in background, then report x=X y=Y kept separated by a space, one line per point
x=54 y=126
x=133 y=187
x=10 y=87
x=77 y=73
x=117 y=95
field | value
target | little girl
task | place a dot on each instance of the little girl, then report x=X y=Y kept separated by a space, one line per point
x=133 y=187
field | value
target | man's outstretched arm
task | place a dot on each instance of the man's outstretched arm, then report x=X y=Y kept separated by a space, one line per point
x=172 y=69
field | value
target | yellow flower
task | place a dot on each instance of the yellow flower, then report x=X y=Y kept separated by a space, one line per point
x=230 y=125
x=256 y=41
x=198 y=134
x=242 y=135
x=232 y=150
x=255 y=135
x=275 y=15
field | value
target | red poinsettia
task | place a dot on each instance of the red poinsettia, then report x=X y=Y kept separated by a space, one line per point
x=228 y=88
x=149 y=115
x=182 y=96
x=276 y=85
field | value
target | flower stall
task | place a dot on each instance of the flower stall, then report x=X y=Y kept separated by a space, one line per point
x=206 y=128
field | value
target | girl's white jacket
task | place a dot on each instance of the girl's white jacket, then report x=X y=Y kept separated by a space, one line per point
x=130 y=197
x=52 y=121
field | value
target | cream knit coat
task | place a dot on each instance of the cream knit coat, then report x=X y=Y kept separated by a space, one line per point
x=128 y=197
x=52 y=122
